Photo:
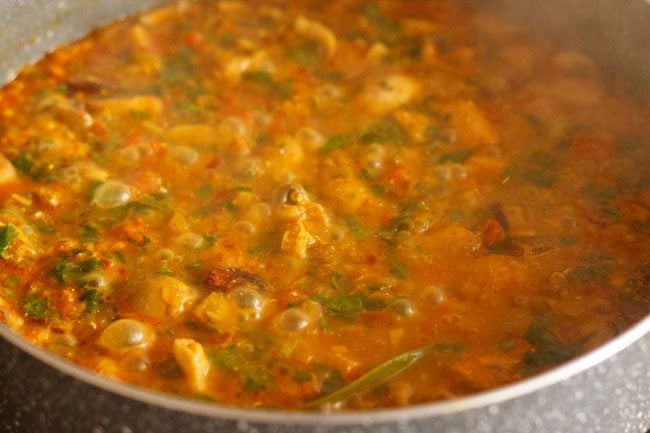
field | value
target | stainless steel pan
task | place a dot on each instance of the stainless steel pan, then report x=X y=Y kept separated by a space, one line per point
x=606 y=390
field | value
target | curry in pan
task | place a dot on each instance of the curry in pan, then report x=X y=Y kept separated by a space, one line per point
x=321 y=205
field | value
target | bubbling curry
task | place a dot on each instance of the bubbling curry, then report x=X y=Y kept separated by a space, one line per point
x=321 y=205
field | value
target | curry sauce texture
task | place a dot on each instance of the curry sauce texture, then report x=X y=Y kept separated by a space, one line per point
x=321 y=205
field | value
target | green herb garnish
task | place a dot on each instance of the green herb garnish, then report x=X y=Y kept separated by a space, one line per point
x=68 y=272
x=359 y=231
x=458 y=157
x=305 y=53
x=88 y=234
x=302 y=376
x=7 y=235
x=386 y=131
x=341 y=305
x=335 y=142
x=258 y=77
x=11 y=282
x=549 y=350
x=256 y=379
x=93 y=302
x=37 y=308
x=264 y=82
x=382 y=373
x=400 y=270
x=541 y=179
x=210 y=240
x=378 y=19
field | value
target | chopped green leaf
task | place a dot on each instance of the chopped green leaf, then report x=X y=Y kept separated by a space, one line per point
x=541 y=179
x=372 y=304
x=411 y=48
x=165 y=270
x=11 y=282
x=549 y=350
x=256 y=379
x=330 y=75
x=258 y=77
x=329 y=378
x=287 y=348
x=210 y=240
x=434 y=133
x=139 y=115
x=423 y=189
x=367 y=175
x=147 y=205
x=506 y=247
x=545 y=160
x=555 y=354
x=385 y=131
x=88 y=234
x=88 y=266
x=378 y=19
x=505 y=344
x=356 y=228
x=228 y=40
x=588 y=274
x=539 y=334
x=339 y=282
x=120 y=256
x=335 y=142
x=68 y=272
x=24 y=164
x=282 y=90
x=178 y=69
x=302 y=376
x=305 y=53
x=230 y=206
x=400 y=271
x=324 y=324
x=36 y=307
x=264 y=82
x=374 y=377
x=7 y=235
x=242 y=188
x=206 y=191
x=635 y=296
x=457 y=157
x=377 y=189
x=226 y=359
x=341 y=305
x=93 y=302
x=60 y=272
x=44 y=228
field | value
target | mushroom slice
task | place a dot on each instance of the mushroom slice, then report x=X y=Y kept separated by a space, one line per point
x=217 y=312
x=314 y=29
x=388 y=93
x=159 y=296
x=190 y=356
x=7 y=171
x=296 y=240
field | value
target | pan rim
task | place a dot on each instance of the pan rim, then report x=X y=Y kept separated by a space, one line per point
x=372 y=417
